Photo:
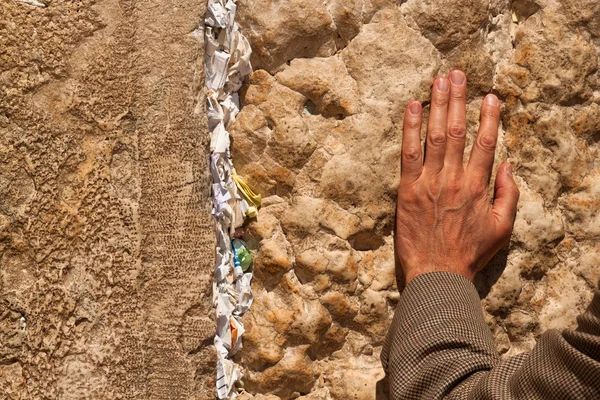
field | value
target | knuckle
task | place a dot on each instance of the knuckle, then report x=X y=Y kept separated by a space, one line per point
x=411 y=154
x=487 y=142
x=460 y=95
x=478 y=188
x=412 y=123
x=406 y=192
x=453 y=184
x=440 y=101
x=437 y=137
x=434 y=180
x=457 y=131
x=490 y=112
x=514 y=192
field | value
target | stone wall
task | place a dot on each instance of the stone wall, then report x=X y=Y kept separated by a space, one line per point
x=106 y=242
x=319 y=136
x=106 y=238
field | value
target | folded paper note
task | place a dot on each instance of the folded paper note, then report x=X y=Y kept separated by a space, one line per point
x=248 y=194
x=33 y=3
x=227 y=61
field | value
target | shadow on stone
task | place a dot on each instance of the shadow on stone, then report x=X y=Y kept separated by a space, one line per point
x=485 y=279
x=382 y=389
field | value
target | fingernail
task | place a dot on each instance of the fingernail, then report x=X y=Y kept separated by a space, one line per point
x=442 y=84
x=415 y=108
x=509 y=170
x=491 y=100
x=457 y=77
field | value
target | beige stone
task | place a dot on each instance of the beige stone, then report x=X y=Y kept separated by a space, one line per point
x=321 y=131
x=354 y=378
x=325 y=82
x=106 y=241
x=290 y=30
x=447 y=24
x=556 y=61
x=582 y=15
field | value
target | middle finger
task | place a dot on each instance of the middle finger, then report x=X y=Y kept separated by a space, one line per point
x=436 y=127
x=457 y=120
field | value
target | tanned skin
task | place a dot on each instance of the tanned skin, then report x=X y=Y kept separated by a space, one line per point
x=445 y=220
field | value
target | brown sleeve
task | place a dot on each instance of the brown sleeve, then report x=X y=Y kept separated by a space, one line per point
x=439 y=347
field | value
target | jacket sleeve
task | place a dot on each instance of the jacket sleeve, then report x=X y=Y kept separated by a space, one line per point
x=439 y=347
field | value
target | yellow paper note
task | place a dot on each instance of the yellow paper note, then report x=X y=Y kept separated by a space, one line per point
x=248 y=194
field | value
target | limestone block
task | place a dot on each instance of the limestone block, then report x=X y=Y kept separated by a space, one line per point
x=325 y=82
x=447 y=23
x=320 y=133
x=106 y=242
x=557 y=62
x=292 y=29
x=582 y=15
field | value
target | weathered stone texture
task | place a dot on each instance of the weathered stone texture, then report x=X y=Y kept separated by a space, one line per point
x=106 y=240
x=105 y=236
x=319 y=137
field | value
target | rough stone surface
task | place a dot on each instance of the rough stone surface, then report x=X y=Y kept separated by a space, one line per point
x=319 y=137
x=105 y=236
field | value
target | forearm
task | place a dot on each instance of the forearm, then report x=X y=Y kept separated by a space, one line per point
x=438 y=337
x=439 y=347
x=562 y=365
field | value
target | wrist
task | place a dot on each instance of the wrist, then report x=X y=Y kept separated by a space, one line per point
x=412 y=273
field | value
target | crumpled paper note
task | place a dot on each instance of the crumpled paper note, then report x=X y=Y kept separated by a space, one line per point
x=33 y=3
x=227 y=62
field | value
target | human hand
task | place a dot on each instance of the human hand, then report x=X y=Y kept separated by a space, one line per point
x=444 y=219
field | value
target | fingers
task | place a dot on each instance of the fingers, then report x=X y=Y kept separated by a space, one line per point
x=484 y=148
x=457 y=120
x=505 y=199
x=412 y=159
x=436 y=128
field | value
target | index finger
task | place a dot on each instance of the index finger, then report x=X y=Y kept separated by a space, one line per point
x=412 y=155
